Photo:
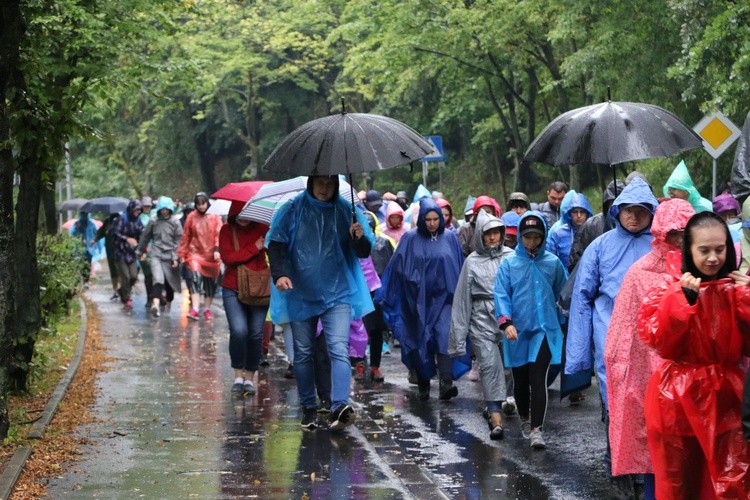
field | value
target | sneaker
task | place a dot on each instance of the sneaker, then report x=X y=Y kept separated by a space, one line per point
x=248 y=387
x=386 y=348
x=115 y=296
x=375 y=374
x=155 y=311
x=537 y=441
x=289 y=373
x=342 y=417
x=474 y=372
x=128 y=306
x=193 y=314
x=525 y=427
x=237 y=388
x=447 y=390
x=207 y=314
x=509 y=405
x=309 y=418
x=325 y=406
x=359 y=374
x=496 y=433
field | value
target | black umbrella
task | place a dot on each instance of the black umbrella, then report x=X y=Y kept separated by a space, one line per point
x=105 y=205
x=74 y=204
x=610 y=133
x=347 y=143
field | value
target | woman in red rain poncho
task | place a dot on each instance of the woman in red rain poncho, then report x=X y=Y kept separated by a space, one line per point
x=700 y=324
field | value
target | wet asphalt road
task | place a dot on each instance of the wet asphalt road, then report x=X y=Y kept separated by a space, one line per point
x=169 y=428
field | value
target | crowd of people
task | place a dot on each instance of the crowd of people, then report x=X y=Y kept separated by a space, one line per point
x=649 y=296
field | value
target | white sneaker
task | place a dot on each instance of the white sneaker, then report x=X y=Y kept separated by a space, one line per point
x=509 y=405
x=537 y=441
x=526 y=428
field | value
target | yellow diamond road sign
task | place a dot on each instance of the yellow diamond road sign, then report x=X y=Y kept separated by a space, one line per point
x=718 y=133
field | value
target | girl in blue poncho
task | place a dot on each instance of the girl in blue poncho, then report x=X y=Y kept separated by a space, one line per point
x=417 y=294
x=313 y=247
x=527 y=287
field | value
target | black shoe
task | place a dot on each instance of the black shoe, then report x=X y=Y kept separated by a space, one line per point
x=424 y=390
x=342 y=417
x=289 y=371
x=496 y=433
x=325 y=406
x=413 y=377
x=238 y=388
x=309 y=418
x=447 y=390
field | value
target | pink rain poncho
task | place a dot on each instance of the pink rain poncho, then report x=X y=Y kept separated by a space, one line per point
x=629 y=362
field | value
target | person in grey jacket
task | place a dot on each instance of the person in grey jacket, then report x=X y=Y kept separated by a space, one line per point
x=164 y=234
x=473 y=314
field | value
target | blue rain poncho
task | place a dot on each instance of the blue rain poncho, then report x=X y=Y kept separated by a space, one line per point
x=526 y=291
x=561 y=237
x=417 y=291
x=600 y=273
x=85 y=229
x=323 y=268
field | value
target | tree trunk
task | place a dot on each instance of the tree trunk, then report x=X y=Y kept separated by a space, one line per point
x=500 y=174
x=11 y=33
x=28 y=317
x=50 y=209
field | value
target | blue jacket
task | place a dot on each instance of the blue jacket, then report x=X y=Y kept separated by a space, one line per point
x=561 y=238
x=323 y=268
x=526 y=291
x=417 y=291
x=601 y=271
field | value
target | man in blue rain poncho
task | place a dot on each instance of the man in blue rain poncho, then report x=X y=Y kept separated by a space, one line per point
x=417 y=295
x=313 y=246
x=600 y=274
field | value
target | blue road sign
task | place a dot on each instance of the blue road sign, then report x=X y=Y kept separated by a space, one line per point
x=437 y=143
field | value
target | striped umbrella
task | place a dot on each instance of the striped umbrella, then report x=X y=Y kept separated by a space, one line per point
x=262 y=207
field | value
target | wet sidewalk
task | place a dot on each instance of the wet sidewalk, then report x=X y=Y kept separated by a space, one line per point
x=168 y=427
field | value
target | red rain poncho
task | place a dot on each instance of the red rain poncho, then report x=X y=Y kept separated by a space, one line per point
x=200 y=239
x=630 y=363
x=693 y=400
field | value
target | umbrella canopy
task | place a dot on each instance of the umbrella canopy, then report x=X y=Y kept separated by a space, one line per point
x=73 y=205
x=219 y=207
x=70 y=222
x=610 y=133
x=347 y=143
x=239 y=191
x=105 y=205
x=262 y=207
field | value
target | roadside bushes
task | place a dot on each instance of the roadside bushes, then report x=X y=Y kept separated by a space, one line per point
x=60 y=271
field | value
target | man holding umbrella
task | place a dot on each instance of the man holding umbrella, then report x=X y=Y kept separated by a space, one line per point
x=313 y=246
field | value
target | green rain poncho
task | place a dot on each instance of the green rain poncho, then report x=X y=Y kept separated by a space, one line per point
x=680 y=179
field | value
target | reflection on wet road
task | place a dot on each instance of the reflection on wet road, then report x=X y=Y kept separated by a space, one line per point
x=169 y=428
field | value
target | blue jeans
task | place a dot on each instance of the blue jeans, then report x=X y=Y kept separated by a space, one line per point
x=336 y=327
x=245 y=331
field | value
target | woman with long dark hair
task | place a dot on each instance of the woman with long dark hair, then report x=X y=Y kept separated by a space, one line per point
x=700 y=324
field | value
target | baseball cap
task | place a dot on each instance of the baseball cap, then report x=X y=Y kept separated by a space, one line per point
x=531 y=224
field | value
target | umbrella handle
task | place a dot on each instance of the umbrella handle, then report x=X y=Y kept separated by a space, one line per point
x=354 y=211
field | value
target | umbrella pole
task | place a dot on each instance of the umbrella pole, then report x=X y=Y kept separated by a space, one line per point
x=614 y=178
x=354 y=213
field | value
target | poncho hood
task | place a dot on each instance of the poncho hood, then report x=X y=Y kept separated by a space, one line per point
x=671 y=215
x=636 y=192
x=429 y=205
x=485 y=222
